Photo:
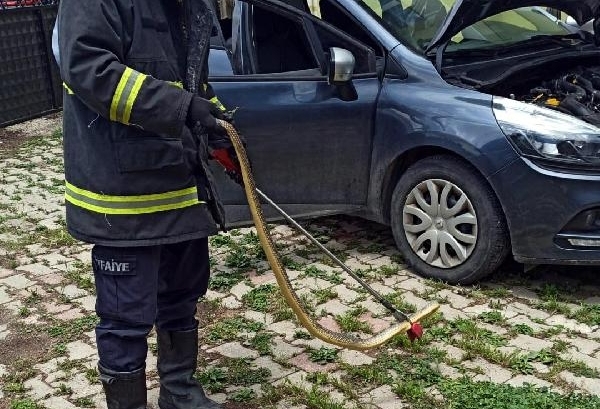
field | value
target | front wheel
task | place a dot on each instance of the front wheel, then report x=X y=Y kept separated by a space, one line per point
x=447 y=222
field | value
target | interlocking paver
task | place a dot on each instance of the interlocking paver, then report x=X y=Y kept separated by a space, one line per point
x=18 y=281
x=234 y=350
x=79 y=350
x=39 y=291
x=4 y=296
x=587 y=384
x=384 y=398
x=355 y=357
x=521 y=380
x=529 y=343
x=284 y=350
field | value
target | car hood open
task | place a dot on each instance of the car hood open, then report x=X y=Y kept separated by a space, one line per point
x=467 y=12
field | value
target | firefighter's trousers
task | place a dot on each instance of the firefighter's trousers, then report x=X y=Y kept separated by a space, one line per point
x=139 y=287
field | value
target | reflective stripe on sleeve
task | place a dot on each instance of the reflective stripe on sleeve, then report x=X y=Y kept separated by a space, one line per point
x=218 y=103
x=68 y=89
x=125 y=95
x=130 y=205
x=177 y=84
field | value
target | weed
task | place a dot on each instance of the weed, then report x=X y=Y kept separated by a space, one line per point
x=388 y=271
x=552 y=300
x=261 y=298
x=84 y=402
x=262 y=342
x=466 y=394
x=349 y=321
x=63 y=390
x=213 y=379
x=301 y=334
x=91 y=374
x=496 y=292
x=439 y=333
x=230 y=329
x=220 y=240
x=239 y=258
x=69 y=330
x=492 y=317
x=588 y=314
x=323 y=295
x=374 y=374
x=523 y=329
x=243 y=395
x=291 y=264
x=243 y=373
x=153 y=347
x=318 y=378
x=521 y=363
x=25 y=404
x=80 y=276
x=323 y=355
x=14 y=387
x=33 y=298
x=472 y=333
x=317 y=399
x=578 y=368
x=220 y=281
x=495 y=304
x=397 y=300
x=314 y=272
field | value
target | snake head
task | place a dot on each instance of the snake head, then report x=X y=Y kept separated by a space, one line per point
x=415 y=331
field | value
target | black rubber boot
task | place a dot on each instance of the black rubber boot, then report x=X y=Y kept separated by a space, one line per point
x=177 y=360
x=124 y=390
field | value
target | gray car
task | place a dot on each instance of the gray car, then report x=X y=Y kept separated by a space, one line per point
x=469 y=127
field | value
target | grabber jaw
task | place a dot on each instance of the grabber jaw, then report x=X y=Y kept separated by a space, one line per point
x=414 y=329
x=415 y=332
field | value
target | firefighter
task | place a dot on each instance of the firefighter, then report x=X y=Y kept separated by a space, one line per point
x=138 y=186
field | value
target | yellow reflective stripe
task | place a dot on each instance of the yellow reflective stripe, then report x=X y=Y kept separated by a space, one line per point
x=218 y=103
x=119 y=92
x=135 y=204
x=68 y=89
x=139 y=210
x=177 y=84
x=138 y=198
x=132 y=97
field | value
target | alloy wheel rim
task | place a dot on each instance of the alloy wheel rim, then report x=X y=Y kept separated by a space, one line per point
x=440 y=223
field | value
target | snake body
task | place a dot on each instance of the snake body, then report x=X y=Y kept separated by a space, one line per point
x=344 y=340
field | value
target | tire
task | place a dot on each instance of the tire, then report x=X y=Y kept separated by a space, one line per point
x=465 y=225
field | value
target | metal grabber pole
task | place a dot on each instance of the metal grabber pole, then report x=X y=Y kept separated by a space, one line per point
x=399 y=315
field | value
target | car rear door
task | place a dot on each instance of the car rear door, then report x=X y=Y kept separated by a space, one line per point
x=310 y=149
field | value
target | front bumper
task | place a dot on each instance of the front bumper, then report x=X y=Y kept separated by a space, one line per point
x=544 y=209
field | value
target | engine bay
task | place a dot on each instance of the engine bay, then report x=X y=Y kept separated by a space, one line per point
x=575 y=92
x=570 y=85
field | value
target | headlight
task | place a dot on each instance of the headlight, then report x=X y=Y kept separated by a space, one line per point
x=546 y=134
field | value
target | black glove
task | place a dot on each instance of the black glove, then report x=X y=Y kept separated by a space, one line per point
x=205 y=113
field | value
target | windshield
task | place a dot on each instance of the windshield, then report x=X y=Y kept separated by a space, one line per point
x=415 y=22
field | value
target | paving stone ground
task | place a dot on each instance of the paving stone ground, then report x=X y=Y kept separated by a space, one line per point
x=515 y=331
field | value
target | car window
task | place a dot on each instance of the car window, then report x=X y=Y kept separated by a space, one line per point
x=264 y=40
x=507 y=28
x=280 y=43
x=415 y=23
x=330 y=12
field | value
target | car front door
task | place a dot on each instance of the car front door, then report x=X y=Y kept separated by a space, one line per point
x=309 y=142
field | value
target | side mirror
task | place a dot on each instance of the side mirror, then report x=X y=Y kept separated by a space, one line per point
x=341 y=65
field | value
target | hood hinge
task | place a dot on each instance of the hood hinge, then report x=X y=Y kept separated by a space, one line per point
x=439 y=56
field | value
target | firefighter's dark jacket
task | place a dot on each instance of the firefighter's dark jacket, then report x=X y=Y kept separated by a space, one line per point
x=131 y=168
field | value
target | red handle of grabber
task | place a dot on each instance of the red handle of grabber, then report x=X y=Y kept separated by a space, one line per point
x=222 y=156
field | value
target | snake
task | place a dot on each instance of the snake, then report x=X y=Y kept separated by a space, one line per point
x=343 y=340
